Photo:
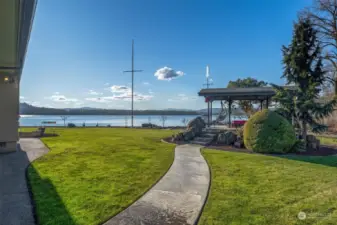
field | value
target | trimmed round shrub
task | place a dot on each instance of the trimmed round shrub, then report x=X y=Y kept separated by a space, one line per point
x=268 y=132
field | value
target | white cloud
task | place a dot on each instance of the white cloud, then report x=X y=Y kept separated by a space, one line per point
x=150 y=92
x=33 y=103
x=182 y=97
x=92 y=92
x=167 y=73
x=61 y=98
x=56 y=93
x=106 y=84
x=119 y=89
x=146 y=83
x=121 y=93
x=22 y=97
x=121 y=97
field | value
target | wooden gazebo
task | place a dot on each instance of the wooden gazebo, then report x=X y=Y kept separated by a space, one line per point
x=261 y=94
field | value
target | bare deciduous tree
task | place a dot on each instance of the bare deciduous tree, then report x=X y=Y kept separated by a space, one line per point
x=184 y=121
x=163 y=119
x=323 y=15
x=64 y=118
x=126 y=121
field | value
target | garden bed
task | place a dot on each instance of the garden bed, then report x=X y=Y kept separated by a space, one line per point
x=36 y=134
x=324 y=150
x=169 y=140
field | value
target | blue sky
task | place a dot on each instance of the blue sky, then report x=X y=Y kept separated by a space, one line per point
x=79 y=48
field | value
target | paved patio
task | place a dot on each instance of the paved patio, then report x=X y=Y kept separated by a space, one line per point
x=15 y=202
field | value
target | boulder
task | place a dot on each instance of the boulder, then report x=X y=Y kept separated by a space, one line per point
x=239 y=144
x=227 y=138
x=189 y=135
x=312 y=143
x=178 y=137
x=311 y=138
x=194 y=128
x=197 y=124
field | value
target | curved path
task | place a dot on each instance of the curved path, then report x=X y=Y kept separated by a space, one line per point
x=178 y=198
x=15 y=202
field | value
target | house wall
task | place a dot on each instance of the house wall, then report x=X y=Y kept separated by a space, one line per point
x=9 y=110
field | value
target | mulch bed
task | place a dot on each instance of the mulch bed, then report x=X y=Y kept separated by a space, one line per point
x=36 y=135
x=169 y=140
x=325 y=150
x=229 y=148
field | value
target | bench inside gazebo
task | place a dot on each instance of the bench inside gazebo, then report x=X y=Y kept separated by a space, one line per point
x=260 y=94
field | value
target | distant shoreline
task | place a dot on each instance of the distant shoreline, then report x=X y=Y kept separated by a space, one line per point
x=113 y=114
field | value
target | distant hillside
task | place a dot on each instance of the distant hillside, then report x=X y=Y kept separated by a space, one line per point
x=26 y=109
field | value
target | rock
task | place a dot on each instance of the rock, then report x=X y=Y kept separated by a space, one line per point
x=178 y=137
x=311 y=138
x=198 y=124
x=189 y=135
x=194 y=128
x=227 y=138
x=238 y=144
x=312 y=143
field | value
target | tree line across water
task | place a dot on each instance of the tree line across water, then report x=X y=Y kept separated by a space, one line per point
x=27 y=109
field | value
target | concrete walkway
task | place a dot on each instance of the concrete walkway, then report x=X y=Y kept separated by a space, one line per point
x=177 y=198
x=15 y=202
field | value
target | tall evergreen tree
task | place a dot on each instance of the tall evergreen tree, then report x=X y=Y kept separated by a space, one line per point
x=303 y=67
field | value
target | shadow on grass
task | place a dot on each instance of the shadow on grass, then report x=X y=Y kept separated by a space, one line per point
x=17 y=205
x=47 y=205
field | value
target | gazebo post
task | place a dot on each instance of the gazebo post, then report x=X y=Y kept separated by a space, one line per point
x=207 y=113
x=267 y=103
x=211 y=111
x=229 y=112
x=261 y=105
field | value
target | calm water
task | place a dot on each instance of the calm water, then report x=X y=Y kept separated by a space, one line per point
x=36 y=120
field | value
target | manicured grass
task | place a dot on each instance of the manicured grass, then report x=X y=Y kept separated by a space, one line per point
x=92 y=174
x=259 y=189
x=328 y=140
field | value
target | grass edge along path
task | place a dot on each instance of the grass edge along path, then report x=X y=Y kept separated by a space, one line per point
x=263 y=190
x=90 y=175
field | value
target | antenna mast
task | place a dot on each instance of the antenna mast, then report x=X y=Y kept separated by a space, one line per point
x=208 y=80
x=132 y=74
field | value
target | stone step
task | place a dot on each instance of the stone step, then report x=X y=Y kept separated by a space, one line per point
x=199 y=143
x=210 y=135
x=204 y=139
x=211 y=131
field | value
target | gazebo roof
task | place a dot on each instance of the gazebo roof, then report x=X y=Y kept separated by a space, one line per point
x=254 y=93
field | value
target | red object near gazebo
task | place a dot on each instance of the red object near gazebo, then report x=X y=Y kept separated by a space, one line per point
x=206 y=99
x=238 y=123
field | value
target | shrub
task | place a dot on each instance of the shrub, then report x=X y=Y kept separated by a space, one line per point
x=239 y=132
x=268 y=132
x=71 y=125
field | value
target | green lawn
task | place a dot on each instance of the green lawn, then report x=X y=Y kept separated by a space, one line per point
x=328 y=140
x=92 y=174
x=265 y=190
